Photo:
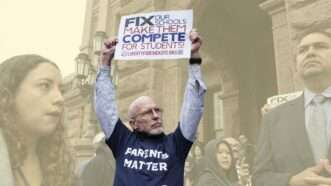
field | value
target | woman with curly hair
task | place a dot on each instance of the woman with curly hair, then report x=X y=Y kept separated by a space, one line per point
x=33 y=150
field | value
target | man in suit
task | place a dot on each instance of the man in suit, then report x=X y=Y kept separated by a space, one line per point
x=294 y=143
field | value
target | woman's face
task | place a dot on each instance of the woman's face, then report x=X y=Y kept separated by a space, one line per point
x=39 y=101
x=224 y=157
x=197 y=152
x=188 y=166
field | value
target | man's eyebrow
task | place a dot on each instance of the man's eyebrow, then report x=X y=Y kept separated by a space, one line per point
x=45 y=79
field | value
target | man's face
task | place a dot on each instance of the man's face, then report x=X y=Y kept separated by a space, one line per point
x=148 y=118
x=314 y=56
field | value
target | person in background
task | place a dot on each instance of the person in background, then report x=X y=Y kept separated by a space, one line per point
x=247 y=150
x=293 y=148
x=198 y=163
x=32 y=137
x=220 y=166
x=235 y=146
x=188 y=171
x=100 y=170
x=197 y=150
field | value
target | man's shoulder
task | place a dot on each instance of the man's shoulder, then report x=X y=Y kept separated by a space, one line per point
x=177 y=132
x=279 y=117
x=94 y=161
x=284 y=108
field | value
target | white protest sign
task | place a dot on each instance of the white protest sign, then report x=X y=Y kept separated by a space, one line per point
x=155 y=35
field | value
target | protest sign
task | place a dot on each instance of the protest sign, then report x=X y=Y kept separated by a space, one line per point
x=155 y=35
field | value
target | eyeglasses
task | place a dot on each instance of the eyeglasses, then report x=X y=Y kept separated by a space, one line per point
x=150 y=111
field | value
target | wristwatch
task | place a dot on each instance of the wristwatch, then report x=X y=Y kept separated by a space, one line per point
x=195 y=61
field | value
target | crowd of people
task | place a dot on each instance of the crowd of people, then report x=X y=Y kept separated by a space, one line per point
x=293 y=147
x=294 y=137
x=221 y=161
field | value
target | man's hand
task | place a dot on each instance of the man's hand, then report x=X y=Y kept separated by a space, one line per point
x=320 y=180
x=196 y=43
x=303 y=178
x=108 y=51
x=243 y=172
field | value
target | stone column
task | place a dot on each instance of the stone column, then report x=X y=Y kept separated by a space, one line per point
x=87 y=27
x=285 y=66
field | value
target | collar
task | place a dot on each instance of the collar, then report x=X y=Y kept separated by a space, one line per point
x=309 y=95
x=148 y=136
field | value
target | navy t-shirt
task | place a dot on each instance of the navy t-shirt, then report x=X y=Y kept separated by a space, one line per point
x=146 y=160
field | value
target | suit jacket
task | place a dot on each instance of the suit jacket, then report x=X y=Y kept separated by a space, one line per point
x=283 y=148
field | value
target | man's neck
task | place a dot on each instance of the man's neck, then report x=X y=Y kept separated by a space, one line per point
x=317 y=84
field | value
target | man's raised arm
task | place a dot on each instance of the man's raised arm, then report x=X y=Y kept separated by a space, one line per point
x=193 y=106
x=105 y=103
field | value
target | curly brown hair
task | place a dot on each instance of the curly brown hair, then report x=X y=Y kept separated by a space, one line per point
x=53 y=154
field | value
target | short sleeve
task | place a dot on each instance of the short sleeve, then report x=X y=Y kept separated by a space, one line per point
x=182 y=145
x=119 y=138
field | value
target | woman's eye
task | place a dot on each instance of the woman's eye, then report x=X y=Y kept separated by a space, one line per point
x=45 y=86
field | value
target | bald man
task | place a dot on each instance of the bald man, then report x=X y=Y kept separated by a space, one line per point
x=146 y=156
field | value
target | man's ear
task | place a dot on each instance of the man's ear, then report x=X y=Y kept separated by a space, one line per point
x=294 y=60
x=295 y=69
x=132 y=124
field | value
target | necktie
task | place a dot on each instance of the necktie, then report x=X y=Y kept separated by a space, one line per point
x=317 y=128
